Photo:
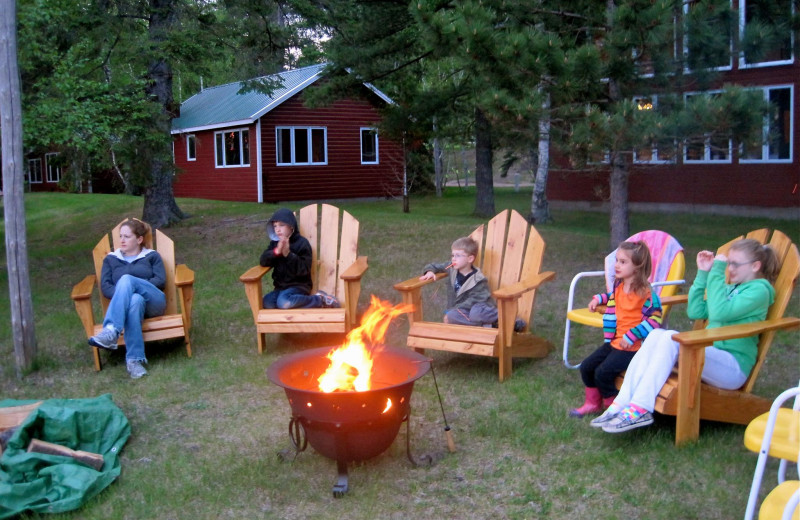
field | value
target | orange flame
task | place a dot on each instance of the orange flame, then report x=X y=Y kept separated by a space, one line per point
x=351 y=364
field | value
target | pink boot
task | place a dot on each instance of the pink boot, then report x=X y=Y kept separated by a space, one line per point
x=607 y=402
x=590 y=406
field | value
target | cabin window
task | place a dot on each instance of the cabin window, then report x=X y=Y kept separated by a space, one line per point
x=35 y=171
x=53 y=167
x=657 y=151
x=232 y=148
x=296 y=145
x=191 y=147
x=707 y=38
x=707 y=147
x=765 y=32
x=369 y=146
x=776 y=145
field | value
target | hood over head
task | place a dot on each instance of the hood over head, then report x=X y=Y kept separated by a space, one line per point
x=282 y=215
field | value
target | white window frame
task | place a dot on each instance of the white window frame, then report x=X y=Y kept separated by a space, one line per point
x=35 y=172
x=707 y=142
x=369 y=130
x=191 y=138
x=765 y=158
x=219 y=162
x=654 y=158
x=53 y=170
x=729 y=66
x=293 y=130
x=743 y=64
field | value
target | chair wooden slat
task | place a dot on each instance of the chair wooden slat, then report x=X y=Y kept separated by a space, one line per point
x=328 y=249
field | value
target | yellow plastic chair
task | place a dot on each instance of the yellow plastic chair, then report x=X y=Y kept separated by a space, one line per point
x=666 y=278
x=776 y=434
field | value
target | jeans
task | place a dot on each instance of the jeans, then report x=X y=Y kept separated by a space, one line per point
x=480 y=314
x=652 y=365
x=134 y=299
x=291 y=298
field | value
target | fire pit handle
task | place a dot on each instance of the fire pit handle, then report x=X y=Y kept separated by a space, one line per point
x=297 y=433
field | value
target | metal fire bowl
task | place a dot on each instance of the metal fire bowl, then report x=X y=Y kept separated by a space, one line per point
x=350 y=426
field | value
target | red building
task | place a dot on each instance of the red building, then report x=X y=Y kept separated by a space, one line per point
x=255 y=147
x=722 y=172
x=43 y=172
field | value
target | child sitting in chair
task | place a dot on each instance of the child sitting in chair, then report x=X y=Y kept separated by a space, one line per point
x=469 y=300
x=289 y=256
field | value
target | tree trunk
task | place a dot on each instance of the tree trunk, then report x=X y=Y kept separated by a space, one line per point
x=484 y=182
x=620 y=226
x=438 y=166
x=19 y=286
x=540 y=209
x=160 y=209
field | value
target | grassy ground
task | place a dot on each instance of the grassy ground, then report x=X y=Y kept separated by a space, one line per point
x=207 y=430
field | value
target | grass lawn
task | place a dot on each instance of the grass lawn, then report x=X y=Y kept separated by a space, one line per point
x=207 y=431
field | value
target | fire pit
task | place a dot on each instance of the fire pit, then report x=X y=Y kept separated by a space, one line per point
x=348 y=426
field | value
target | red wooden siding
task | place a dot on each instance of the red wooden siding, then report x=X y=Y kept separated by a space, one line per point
x=759 y=184
x=202 y=179
x=344 y=176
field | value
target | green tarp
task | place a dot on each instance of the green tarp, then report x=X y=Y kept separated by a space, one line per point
x=52 y=483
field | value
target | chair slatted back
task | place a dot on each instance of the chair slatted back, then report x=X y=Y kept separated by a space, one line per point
x=333 y=235
x=164 y=246
x=509 y=250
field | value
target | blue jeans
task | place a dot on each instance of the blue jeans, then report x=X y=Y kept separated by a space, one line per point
x=291 y=298
x=134 y=300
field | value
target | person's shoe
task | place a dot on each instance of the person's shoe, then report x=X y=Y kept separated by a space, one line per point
x=590 y=406
x=136 y=369
x=627 y=422
x=328 y=300
x=106 y=338
x=603 y=420
x=519 y=325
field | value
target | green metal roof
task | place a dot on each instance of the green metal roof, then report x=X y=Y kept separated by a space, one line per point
x=223 y=106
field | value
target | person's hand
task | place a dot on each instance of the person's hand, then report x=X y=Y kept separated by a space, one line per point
x=593 y=304
x=721 y=258
x=428 y=276
x=284 y=246
x=623 y=342
x=705 y=259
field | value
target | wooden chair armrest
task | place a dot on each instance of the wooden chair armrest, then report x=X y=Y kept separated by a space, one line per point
x=83 y=289
x=183 y=275
x=254 y=274
x=675 y=299
x=356 y=270
x=516 y=290
x=705 y=337
x=415 y=283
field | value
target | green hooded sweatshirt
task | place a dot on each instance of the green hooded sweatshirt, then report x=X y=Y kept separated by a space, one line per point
x=726 y=304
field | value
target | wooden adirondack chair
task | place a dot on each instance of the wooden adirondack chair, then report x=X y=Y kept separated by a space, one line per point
x=510 y=255
x=179 y=287
x=685 y=397
x=336 y=269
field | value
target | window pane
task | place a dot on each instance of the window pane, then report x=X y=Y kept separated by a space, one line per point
x=220 y=154
x=301 y=145
x=369 y=150
x=708 y=35
x=232 y=149
x=284 y=145
x=190 y=147
x=245 y=147
x=318 y=145
x=779 y=124
x=768 y=34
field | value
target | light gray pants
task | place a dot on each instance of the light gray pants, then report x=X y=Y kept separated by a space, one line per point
x=653 y=363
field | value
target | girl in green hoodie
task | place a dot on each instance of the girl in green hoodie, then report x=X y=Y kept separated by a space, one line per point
x=751 y=268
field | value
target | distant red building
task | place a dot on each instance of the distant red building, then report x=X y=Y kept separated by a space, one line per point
x=254 y=147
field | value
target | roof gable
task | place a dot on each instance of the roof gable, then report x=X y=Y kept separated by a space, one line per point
x=222 y=106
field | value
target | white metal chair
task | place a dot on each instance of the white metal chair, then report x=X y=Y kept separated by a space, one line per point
x=666 y=276
x=776 y=434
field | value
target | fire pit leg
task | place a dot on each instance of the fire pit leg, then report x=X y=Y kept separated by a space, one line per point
x=340 y=488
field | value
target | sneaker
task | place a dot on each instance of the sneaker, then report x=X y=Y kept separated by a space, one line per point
x=136 y=369
x=627 y=422
x=603 y=420
x=106 y=338
x=519 y=325
x=328 y=300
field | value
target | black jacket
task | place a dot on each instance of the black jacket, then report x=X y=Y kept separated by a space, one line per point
x=147 y=266
x=293 y=270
